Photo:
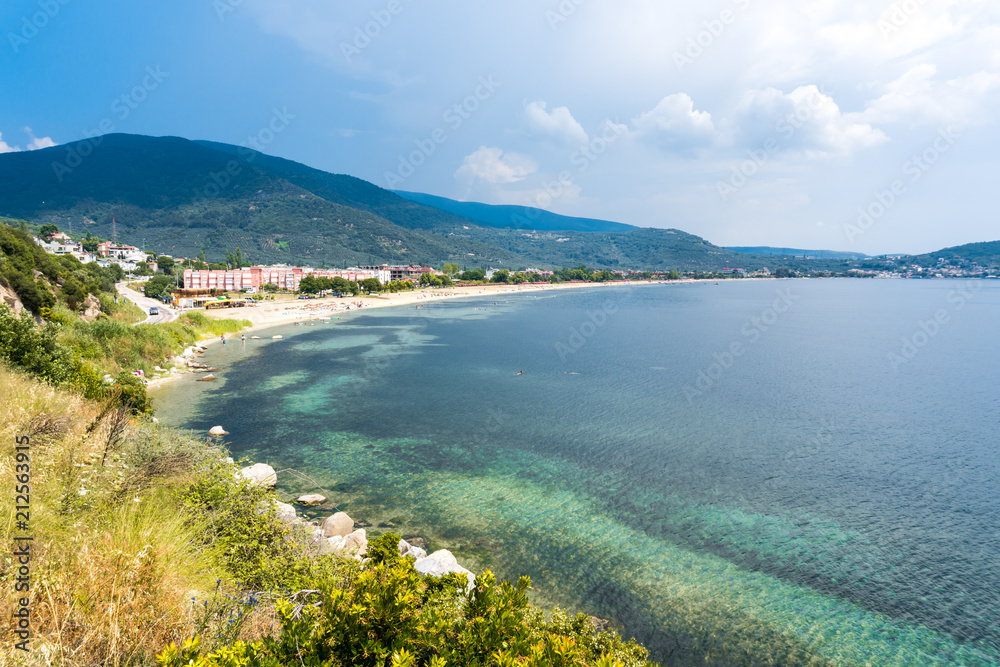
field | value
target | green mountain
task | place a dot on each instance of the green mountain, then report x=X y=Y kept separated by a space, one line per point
x=986 y=254
x=181 y=197
x=796 y=252
x=516 y=217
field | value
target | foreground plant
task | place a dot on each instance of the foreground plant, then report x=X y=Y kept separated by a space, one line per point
x=390 y=616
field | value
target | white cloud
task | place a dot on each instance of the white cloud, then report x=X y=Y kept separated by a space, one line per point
x=558 y=124
x=36 y=143
x=805 y=120
x=5 y=147
x=493 y=166
x=918 y=97
x=674 y=122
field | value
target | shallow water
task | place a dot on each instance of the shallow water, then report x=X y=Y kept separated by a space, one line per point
x=718 y=468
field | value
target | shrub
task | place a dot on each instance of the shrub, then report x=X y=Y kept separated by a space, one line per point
x=391 y=616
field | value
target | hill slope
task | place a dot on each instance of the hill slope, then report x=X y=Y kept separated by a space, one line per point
x=516 y=217
x=182 y=197
x=797 y=252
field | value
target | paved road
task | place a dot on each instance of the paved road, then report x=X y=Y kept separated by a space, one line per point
x=166 y=314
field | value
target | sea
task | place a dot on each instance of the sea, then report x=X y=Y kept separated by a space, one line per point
x=773 y=472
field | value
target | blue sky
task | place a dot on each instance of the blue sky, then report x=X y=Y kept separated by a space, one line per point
x=827 y=124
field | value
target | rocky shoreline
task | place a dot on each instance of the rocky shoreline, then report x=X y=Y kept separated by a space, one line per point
x=337 y=534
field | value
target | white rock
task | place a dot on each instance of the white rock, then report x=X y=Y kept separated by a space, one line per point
x=407 y=549
x=285 y=512
x=356 y=544
x=276 y=337
x=338 y=525
x=441 y=563
x=311 y=499
x=260 y=474
x=218 y=430
x=334 y=545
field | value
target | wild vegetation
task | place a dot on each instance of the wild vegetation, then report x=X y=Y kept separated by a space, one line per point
x=145 y=544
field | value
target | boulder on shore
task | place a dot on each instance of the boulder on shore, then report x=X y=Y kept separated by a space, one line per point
x=408 y=550
x=260 y=474
x=338 y=525
x=355 y=544
x=286 y=513
x=311 y=499
x=207 y=378
x=218 y=430
x=440 y=563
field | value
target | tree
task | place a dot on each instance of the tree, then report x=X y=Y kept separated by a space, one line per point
x=159 y=286
x=74 y=293
x=90 y=243
x=450 y=269
x=269 y=287
x=309 y=285
x=473 y=275
x=143 y=269
x=166 y=264
x=47 y=231
x=370 y=285
x=201 y=257
x=501 y=276
x=239 y=259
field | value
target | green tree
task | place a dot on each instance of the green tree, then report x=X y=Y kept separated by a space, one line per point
x=158 y=287
x=143 y=269
x=269 y=287
x=90 y=243
x=501 y=276
x=309 y=284
x=166 y=264
x=450 y=269
x=370 y=285
x=473 y=275
x=73 y=293
x=47 y=231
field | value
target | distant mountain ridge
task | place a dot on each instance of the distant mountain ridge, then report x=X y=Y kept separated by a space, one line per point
x=516 y=217
x=796 y=252
x=182 y=197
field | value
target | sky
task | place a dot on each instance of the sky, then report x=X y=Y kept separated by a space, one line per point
x=869 y=127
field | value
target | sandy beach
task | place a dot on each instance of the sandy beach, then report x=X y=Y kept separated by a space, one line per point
x=286 y=312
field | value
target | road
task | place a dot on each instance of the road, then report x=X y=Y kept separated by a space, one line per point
x=166 y=314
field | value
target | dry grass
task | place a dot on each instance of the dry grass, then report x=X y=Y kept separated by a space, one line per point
x=113 y=566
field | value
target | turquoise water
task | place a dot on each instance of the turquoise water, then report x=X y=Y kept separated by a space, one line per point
x=776 y=472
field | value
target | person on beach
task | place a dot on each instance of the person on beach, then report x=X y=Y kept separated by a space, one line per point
x=243 y=338
x=223 y=337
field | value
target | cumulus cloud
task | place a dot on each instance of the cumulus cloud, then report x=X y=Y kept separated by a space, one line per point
x=494 y=167
x=918 y=97
x=806 y=120
x=559 y=124
x=34 y=144
x=674 y=122
x=5 y=147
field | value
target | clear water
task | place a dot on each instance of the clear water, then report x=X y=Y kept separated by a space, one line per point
x=811 y=500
